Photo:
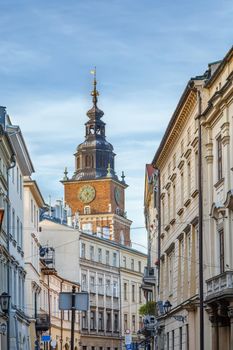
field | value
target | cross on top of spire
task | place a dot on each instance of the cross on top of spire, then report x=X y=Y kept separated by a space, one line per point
x=94 y=92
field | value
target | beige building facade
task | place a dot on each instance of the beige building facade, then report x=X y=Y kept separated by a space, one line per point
x=177 y=162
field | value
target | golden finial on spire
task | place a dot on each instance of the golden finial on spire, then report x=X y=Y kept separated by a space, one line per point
x=94 y=93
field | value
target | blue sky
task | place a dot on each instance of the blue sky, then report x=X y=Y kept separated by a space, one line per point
x=145 y=52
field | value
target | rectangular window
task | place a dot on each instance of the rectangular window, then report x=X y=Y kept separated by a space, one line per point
x=20 y=186
x=21 y=235
x=13 y=223
x=31 y=210
x=108 y=322
x=99 y=255
x=133 y=323
x=107 y=257
x=125 y=322
x=92 y=320
x=133 y=292
x=187 y=337
x=92 y=253
x=124 y=262
x=83 y=251
x=182 y=188
x=116 y=322
x=114 y=260
x=221 y=250
x=181 y=340
x=17 y=180
x=132 y=264
x=167 y=340
x=84 y=282
x=115 y=289
x=92 y=284
x=140 y=295
x=101 y=321
x=189 y=178
x=219 y=157
x=18 y=233
x=125 y=291
x=173 y=340
x=108 y=289
x=100 y=285
x=139 y=266
x=84 y=320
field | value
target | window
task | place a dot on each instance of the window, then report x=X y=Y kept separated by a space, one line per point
x=124 y=262
x=219 y=157
x=140 y=322
x=17 y=179
x=21 y=235
x=84 y=320
x=87 y=227
x=180 y=331
x=92 y=284
x=132 y=264
x=31 y=210
x=92 y=320
x=173 y=340
x=107 y=257
x=169 y=205
x=174 y=161
x=134 y=323
x=87 y=210
x=115 y=289
x=100 y=285
x=221 y=250
x=116 y=322
x=84 y=282
x=114 y=260
x=125 y=291
x=108 y=322
x=18 y=235
x=101 y=321
x=108 y=290
x=13 y=175
x=167 y=340
x=139 y=266
x=174 y=201
x=140 y=295
x=20 y=186
x=125 y=322
x=133 y=292
x=187 y=337
x=92 y=253
x=182 y=188
x=13 y=223
x=170 y=272
x=83 y=250
x=189 y=178
x=99 y=255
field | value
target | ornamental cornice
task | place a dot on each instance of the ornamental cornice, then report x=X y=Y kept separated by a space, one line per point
x=177 y=127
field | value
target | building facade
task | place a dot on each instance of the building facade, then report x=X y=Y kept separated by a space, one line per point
x=208 y=99
x=6 y=161
x=33 y=202
x=19 y=321
x=218 y=128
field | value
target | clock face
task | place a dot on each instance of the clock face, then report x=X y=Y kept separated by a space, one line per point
x=86 y=194
x=117 y=194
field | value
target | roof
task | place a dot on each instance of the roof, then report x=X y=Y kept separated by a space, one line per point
x=28 y=182
x=216 y=67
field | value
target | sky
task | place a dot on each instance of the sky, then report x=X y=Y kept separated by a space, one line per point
x=145 y=51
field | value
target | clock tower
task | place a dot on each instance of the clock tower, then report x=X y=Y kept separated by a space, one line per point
x=94 y=193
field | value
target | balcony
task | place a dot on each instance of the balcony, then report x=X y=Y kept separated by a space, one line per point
x=149 y=277
x=42 y=323
x=220 y=286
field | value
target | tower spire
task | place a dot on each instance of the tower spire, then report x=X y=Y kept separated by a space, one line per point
x=94 y=92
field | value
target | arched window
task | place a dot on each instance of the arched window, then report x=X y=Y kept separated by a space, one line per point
x=78 y=162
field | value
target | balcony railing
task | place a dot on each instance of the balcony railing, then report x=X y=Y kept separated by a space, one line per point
x=220 y=286
x=149 y=277
x=42 y=323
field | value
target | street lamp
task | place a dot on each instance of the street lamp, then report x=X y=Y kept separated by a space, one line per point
x=5 y=302
x=167 y=306
x=2 y=211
